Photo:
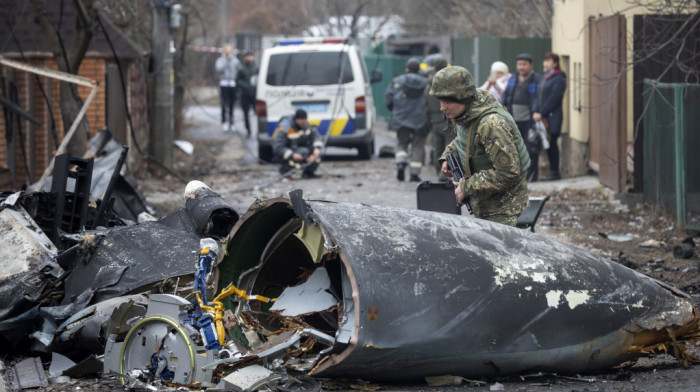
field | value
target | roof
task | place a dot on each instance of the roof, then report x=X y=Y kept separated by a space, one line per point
x=18 y=25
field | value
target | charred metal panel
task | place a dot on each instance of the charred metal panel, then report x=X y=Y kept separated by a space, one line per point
x=131 y=258
x=425 y=293
x=27 y=261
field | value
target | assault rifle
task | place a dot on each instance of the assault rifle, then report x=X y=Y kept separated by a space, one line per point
x=457 y=174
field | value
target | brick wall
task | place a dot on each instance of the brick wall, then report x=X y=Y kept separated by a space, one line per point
x=38 y=140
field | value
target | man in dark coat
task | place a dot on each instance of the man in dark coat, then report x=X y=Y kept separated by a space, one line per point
x=549 y=110
x=404 y=97
x=520 y=98
x=247 y=81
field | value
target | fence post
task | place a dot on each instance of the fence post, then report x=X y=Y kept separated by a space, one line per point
x=679 y=127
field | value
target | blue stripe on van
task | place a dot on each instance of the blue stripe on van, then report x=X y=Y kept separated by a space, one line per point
x=322 y=128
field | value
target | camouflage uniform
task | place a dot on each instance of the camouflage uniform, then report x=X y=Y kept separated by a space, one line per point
x=497 y=186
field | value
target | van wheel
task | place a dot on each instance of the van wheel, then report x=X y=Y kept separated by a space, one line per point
x=365 y=151
x=265 y=154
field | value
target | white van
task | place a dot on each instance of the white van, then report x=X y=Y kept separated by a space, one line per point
x=324 y=76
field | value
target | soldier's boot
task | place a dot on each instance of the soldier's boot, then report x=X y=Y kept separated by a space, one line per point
x=400 y=173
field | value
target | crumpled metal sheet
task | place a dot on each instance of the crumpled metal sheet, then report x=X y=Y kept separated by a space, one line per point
x=427 y=294
x=27 y=261
x=26 y=374
x=129 y=259
x=87 y=330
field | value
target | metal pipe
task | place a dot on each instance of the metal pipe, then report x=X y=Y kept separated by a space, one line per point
x=51 y=73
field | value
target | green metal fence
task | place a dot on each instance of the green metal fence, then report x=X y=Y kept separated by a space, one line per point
x=672 y=149
x=477 y=54
x=390 y=65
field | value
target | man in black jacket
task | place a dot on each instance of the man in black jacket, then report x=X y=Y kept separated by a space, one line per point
x=247 y=81
x=520 y=98
x=549 y=99
x=404 y=97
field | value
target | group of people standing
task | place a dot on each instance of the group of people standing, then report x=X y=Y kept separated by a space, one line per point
x=527 y=96
x=530 y=98
x=235 y=77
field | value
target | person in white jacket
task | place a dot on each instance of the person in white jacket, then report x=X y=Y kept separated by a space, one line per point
x=227 y=66
x=498 y=79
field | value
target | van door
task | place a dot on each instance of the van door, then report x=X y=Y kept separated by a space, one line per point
x=315 y=81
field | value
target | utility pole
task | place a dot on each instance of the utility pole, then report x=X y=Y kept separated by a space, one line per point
x=162 y=133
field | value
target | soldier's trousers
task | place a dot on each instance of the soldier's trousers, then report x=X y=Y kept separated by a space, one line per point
x=408 y=138
x=509 y=220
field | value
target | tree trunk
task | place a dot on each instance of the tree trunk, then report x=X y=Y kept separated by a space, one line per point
x=180 y=71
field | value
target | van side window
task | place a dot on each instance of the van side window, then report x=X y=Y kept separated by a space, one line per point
x=308 y=68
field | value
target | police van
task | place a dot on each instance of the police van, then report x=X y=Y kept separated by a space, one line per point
x=328 y=78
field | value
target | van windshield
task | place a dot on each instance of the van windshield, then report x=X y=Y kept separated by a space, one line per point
x=308 y=68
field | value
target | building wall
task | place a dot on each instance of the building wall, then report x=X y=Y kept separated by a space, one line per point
x=570 y=39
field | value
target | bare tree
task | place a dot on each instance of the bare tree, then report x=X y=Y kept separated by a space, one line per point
x=470 y=18
x=669 y=36
x=69 y=57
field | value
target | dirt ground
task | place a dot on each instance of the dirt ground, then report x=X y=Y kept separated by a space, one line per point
x=590 y=216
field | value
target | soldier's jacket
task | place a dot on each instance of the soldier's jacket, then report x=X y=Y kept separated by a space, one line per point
x=404 y=97
x=501 y=191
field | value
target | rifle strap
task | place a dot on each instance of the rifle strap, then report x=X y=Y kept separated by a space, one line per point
x=467 y=169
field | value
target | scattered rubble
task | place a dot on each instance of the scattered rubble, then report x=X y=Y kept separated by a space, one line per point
x=295 y=290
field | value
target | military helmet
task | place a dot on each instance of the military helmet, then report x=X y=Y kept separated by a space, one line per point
x=454 y=83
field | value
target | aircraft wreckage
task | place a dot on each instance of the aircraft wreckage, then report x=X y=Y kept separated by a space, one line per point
x=379 y=293
x=301 y=288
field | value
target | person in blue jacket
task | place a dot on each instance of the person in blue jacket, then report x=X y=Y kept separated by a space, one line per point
x=549 y=99
x=520 y=99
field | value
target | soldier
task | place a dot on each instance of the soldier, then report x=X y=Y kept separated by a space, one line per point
x=297 y=145
x=489 y=146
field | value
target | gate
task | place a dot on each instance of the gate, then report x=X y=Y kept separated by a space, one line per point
x=607 y=115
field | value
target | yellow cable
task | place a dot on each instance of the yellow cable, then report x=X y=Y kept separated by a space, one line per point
x=217 y=310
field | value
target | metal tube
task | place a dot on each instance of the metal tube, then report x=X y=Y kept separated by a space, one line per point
x=51 y=73
x=679 y=147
